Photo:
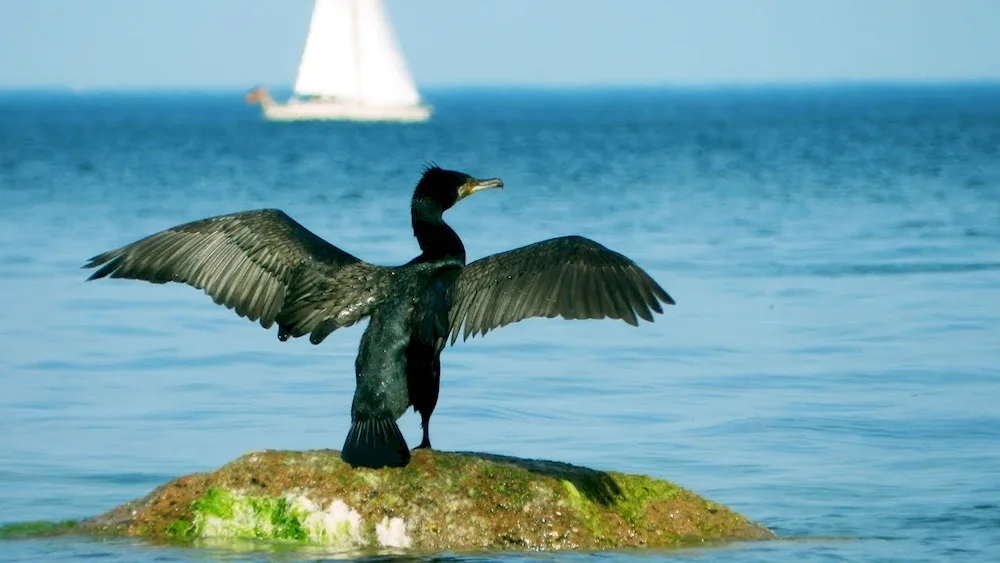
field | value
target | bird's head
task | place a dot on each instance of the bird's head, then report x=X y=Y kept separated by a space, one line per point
x=444 y=188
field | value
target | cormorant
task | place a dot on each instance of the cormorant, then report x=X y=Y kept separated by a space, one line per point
x=269 y=268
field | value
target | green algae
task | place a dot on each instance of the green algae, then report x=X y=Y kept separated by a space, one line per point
x=584 y=509
x=637 y=492
x=221 y=513
x=36 y=529
x=180 y=530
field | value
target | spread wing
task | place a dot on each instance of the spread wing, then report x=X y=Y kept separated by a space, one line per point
x=264 y=265
x=571 y=277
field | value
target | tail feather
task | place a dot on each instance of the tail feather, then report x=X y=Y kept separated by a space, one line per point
x=375 y=443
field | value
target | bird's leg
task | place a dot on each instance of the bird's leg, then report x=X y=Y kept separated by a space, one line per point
x=427 y=395
x=425 y=423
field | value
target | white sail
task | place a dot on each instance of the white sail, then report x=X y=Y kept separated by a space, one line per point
x=351 y=53
x=329 y=61
x=384 y=76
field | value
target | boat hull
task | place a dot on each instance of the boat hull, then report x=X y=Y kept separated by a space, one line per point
x=339 y=111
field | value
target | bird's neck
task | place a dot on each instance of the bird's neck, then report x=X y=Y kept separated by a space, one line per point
x=437 y=240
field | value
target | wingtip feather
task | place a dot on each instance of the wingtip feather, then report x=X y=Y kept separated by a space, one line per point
x=662 y=293
x=108 y=268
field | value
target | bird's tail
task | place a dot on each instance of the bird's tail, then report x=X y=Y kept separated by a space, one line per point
x=375 y=443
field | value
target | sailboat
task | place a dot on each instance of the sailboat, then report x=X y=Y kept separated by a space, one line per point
x=351 y=69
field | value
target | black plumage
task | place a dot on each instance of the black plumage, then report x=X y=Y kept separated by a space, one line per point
x=270 y=269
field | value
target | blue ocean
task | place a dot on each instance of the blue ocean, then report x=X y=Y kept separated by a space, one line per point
x=831 y=368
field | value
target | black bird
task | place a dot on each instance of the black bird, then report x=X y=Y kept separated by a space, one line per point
x=271 y=269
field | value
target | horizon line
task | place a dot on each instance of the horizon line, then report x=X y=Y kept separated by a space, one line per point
x=569 y=86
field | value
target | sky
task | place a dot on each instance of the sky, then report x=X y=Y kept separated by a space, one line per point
x=219 y=44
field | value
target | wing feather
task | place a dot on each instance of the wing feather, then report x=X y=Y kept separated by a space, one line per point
x=615 y=292
x=263 y=265
x=571 y=277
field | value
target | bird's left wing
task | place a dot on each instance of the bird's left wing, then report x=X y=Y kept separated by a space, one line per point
x=262 y=264
x=571 y=277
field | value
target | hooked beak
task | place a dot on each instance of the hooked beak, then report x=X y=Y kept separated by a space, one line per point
x=474 y=185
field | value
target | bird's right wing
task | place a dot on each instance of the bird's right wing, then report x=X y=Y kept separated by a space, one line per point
x=571 y=277
x=264 y=265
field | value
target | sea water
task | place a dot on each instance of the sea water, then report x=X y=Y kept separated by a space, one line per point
x=831 y=369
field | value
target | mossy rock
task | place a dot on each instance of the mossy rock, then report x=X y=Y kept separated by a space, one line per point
x=440 y=501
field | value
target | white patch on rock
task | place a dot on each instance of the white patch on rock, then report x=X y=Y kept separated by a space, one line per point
x=338 y=525
x=392 y=533
x=214 y=527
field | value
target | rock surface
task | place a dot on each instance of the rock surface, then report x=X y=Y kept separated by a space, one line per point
x=440 y=501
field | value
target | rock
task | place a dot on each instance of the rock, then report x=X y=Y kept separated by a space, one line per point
x=440 y=501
